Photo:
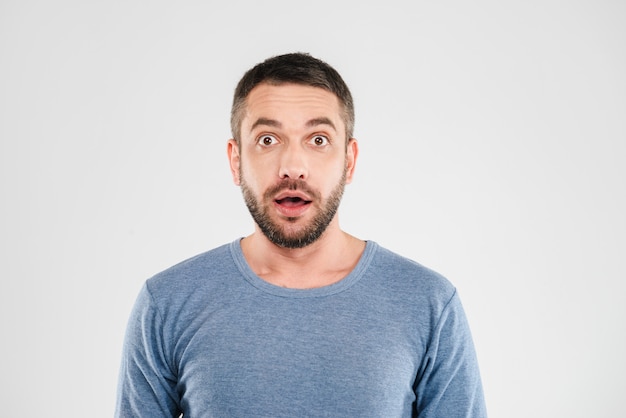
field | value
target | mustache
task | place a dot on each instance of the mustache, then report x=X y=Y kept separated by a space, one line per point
x=293 y=185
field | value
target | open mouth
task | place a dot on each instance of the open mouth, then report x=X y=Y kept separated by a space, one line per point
x=292 y=202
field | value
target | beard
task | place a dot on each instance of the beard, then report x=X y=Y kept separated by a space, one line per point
x=288 y=236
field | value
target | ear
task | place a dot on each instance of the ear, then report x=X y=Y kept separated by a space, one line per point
x=234 y=160
x=352 y=152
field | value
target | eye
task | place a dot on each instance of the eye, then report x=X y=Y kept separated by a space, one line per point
x=319 y=140
x=267 y=140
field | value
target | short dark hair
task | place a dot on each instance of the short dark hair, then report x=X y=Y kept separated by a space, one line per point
x=298 y=68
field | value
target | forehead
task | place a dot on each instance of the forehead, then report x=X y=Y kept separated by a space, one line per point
x=291 y=102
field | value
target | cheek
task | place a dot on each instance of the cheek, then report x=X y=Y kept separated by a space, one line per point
x=251 y=176
x=331 y=176
x=261 y=167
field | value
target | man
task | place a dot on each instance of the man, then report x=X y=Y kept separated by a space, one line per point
x=298 y=319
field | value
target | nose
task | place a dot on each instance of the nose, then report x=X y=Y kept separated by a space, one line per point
x=293 y=163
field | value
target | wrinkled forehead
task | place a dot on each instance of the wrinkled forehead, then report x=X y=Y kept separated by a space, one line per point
x=292 y=104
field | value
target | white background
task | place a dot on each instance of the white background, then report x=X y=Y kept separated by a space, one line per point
x=493 y=147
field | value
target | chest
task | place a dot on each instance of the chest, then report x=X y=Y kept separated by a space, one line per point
x=296 y=358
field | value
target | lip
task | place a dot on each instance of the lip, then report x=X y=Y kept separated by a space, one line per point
x=293 y=194
x=286 y=206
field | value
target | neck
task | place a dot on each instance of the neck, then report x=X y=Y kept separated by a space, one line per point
x=326 y=261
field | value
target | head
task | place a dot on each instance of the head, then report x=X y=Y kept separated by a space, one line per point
x=294 y=68
x=292 y=150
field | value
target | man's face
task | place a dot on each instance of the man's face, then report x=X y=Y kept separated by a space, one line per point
x=293 y=162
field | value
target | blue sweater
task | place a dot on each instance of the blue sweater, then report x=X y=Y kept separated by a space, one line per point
x=209 y=338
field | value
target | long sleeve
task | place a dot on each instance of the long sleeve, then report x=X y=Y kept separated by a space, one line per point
x=147 y=384
x=448 y=384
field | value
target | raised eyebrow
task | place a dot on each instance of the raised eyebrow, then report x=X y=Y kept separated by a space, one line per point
x=266 y=122
x=320 y=121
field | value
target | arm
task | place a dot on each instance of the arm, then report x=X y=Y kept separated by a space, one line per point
x=147 y=385
x=448 y=382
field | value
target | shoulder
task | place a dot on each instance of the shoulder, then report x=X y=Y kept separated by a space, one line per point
x=201 y=272
x=415 y=281
x=406 y=269
x=195 y=265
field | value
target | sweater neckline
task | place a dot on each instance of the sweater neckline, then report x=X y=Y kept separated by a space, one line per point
x=337 y=287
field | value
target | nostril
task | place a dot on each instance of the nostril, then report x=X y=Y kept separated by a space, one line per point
x=292 y=174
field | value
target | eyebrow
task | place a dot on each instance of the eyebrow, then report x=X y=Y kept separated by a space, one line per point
x=266 y=122
x=320 y=121
x=273 y=123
